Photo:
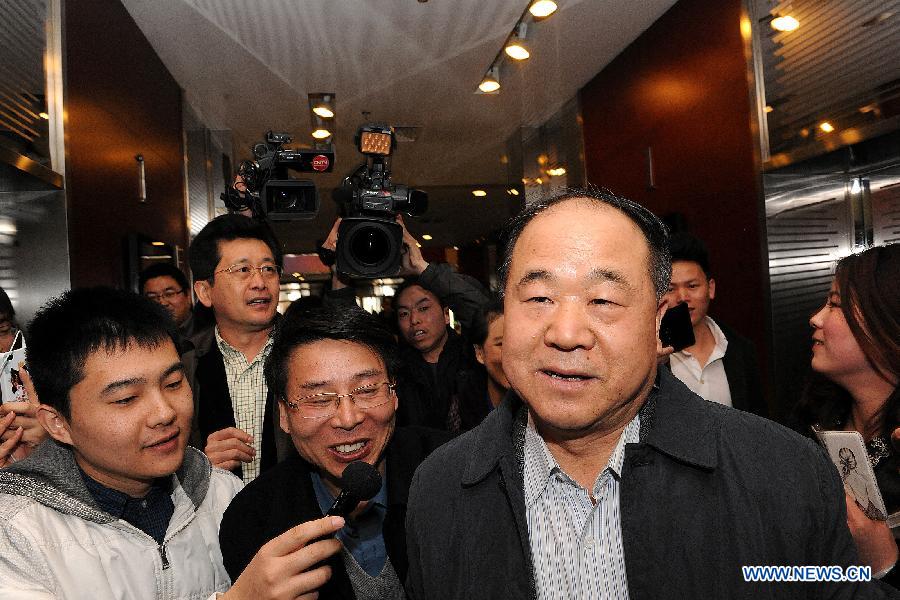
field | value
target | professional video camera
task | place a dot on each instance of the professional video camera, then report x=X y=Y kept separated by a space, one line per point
x=370 y=240
x=271 y=193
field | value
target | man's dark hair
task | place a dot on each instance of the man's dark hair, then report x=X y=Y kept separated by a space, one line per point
x=204 y=251
x=72 y=326
x=163 y=270
x=408 y=283
x=483 y=319
x=686 y=247
x=327 y=322
x=654 y=230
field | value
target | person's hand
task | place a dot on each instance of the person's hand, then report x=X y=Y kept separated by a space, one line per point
x=411 y=260
x=330 y=243
x=25 y=419
x=12 y=437
x=874 y=540
x=289 y=566
x=228 y=448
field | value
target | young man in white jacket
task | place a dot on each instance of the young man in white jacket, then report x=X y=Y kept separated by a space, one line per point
x=115 y=505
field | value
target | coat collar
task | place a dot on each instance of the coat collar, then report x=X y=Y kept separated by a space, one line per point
x=674 y=421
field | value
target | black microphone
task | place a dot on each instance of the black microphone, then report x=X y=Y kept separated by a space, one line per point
x=359 y=481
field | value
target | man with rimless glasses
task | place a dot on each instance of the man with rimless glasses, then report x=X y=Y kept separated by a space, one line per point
x=332 y=372
x=165 y=284
x=236 y=263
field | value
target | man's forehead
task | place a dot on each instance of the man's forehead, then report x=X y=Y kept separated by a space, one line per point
x=413 y=295
x=242 y=249
x=162 y=281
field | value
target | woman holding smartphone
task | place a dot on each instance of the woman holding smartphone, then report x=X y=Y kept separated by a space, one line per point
x=856 y=365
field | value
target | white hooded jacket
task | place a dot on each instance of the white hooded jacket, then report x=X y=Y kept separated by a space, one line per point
x=56 y=543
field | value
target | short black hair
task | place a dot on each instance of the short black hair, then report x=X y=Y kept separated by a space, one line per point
x=411 y=281
x=204 y=250
x=327 y=322
x=486 y=315
x=162 y=270
x=72 y=326
x=655 y=231
x=687 y=247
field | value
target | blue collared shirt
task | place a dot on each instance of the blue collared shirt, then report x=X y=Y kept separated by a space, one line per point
x=151 y=514
x=363 y=536
x=576 y=545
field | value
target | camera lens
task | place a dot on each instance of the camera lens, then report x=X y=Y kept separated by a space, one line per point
x=369 y=245
x=286 y=200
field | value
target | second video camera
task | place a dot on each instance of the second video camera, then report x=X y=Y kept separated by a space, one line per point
x=370 y=241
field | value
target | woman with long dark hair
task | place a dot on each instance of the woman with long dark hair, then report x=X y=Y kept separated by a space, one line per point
x=856 y=365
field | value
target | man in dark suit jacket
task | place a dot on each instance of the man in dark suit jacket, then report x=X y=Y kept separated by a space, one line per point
x=721 y=366
x=333 y=372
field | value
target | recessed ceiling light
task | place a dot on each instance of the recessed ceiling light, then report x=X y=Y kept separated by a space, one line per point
x=44 y=115
x=542 y=8
x=479 y=193
x=557 y=172
x=769 y=108
x=539 y=181
x=456 y=248
x=512 y=192
x=826 y=126
x=426 y=237
x=323 y=111
x=785 y=23
x=321 y=134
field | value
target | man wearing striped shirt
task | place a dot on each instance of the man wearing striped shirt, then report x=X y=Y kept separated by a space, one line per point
x=600 y=476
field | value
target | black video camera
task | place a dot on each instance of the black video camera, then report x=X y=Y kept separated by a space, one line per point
x=370 y=241
x=270 y=192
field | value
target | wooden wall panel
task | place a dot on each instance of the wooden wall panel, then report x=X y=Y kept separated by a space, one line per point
x=681 y=89
x=120 y=101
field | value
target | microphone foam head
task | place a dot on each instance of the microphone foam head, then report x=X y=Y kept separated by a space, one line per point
x=361 y=479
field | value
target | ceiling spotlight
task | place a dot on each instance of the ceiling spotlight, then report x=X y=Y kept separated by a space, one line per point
x=479 y=193
x=769 y=108
x=515 y=46
x=321 y=134
x=491 y=81
x=542 y=8
x=44 y=115
x=556 y=172
x=785 y=23
x=323 y=111
x=426 y=237
x=512 y=192
x=826 y=126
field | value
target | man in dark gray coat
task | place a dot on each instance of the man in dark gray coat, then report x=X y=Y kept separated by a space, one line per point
x=600 y=476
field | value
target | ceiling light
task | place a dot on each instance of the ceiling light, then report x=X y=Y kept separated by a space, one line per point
x=557 y=172
x=426 y=237
x=542 y=8
x=515 y=46
x=785 y=23
x=539 y=181
x=479 y=193
x=456 y=248
x=826 y=126
x=321 y=134
x=157 y=244
x=44 y=115
x=516 y=49
x=512 y=192
x=769 y=108
x=418 y=245
x=491 y=81
x=323 y=111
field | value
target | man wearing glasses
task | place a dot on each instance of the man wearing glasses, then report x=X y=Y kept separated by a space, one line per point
x=167 y=285
x=332 y=371
x=236 y=263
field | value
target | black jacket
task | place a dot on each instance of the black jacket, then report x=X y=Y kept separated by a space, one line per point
x=706 y=490
x=283 y=497
x=742 y=369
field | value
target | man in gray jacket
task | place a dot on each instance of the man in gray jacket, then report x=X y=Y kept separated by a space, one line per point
x=116 y=505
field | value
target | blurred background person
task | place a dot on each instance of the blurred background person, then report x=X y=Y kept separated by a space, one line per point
x=856 y=365
x=166 y=284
